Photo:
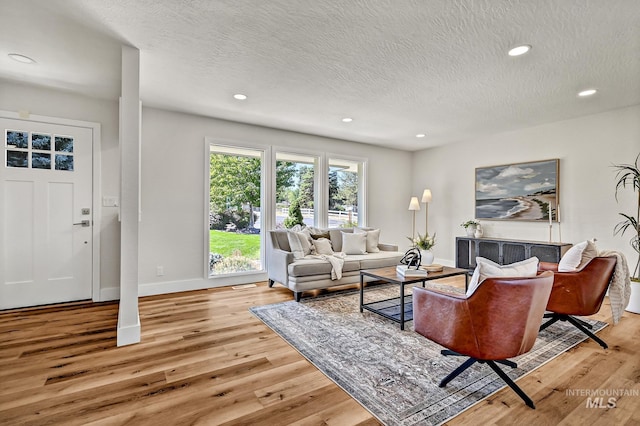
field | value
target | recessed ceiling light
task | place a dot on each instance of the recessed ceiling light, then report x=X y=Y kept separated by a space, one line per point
x=21 y=58
x=347 y=120
x=420 y=135
x=240 y=96
x=587 y=92
x=519 y=50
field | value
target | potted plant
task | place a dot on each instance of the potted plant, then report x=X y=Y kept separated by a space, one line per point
x=629 y=175
x=470 y=226
x=425 y=243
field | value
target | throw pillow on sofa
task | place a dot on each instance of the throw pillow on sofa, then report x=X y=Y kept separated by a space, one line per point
x=486 y=269
x=299 y=243
x=373 y=238
x=317 y=233
x=323 y=246
x=354 y=243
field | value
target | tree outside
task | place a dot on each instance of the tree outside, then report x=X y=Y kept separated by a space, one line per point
x=297 y=191
x=235 y=188
x=295 y=215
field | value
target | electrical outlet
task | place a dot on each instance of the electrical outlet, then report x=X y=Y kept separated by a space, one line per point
x=159 y=271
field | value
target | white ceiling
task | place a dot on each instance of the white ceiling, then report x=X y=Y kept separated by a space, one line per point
x=397 y=67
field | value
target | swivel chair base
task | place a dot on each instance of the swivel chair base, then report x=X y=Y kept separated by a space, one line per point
x=493 y=364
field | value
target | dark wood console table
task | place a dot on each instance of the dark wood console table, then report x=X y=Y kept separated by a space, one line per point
x=504 y=251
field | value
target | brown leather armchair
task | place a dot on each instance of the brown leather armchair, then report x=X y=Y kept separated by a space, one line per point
x=499 y=320
x=578 y=293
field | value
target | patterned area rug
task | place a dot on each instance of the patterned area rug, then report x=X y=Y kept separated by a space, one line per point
x=395 y=374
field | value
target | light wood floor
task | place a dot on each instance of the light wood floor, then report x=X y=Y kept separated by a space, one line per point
x=204 y=359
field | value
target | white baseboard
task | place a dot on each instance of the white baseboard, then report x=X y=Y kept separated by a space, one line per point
x=128 y=335
x=152 y=289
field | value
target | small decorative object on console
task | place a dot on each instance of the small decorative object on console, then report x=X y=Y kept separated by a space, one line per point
x=470 y=227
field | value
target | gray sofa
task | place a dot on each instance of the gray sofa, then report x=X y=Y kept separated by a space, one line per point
x=300 y=275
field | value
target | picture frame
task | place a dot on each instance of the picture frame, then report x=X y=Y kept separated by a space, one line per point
x=528 y=191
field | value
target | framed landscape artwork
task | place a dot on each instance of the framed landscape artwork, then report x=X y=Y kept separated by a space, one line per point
x=521 y=191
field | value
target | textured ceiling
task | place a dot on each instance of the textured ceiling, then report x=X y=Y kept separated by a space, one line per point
x=396 y=67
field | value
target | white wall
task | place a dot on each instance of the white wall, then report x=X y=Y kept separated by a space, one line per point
x=173 y=179
x=586 y=147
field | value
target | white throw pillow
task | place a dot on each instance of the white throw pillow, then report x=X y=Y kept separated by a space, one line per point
x=578 y=256
x=373 y=238
x=486 y=268
x=354 y=243
x=299 y=243
x=323 y=246
x=572 y=258
x=297 y=228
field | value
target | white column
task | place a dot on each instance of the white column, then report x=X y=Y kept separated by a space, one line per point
x=128 y=316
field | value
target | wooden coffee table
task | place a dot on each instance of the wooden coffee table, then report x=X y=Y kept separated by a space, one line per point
x=400 y=309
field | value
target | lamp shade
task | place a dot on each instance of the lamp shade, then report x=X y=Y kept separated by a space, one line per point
x=426 y=196
x=414 y=204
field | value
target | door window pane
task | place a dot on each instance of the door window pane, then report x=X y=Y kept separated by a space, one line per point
x=40 y=161
x=17 y=139
x=17 y=159
x=295 y=189
x=41 y=142
x=64 y=144
x=235 y=185
x=344 y=187
x=64 y=162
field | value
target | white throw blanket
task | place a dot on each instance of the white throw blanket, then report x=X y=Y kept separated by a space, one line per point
x=620 y=284
x=336 y=260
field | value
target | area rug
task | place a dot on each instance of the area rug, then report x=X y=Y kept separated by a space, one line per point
x=395 y=374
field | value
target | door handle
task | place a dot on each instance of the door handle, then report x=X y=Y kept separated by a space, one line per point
x=85 y=223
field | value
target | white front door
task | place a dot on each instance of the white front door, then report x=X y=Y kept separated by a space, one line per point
x=46 y=217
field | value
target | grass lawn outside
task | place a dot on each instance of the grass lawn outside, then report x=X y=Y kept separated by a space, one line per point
x=225 y=243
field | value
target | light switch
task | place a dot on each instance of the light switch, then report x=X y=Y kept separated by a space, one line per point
x=109 y=201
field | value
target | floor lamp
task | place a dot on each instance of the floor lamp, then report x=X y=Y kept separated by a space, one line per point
x=426 y=199
x=414 y=206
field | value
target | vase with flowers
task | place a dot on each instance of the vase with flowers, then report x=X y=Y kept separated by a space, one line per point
x=425 y=243
x=470 y=227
